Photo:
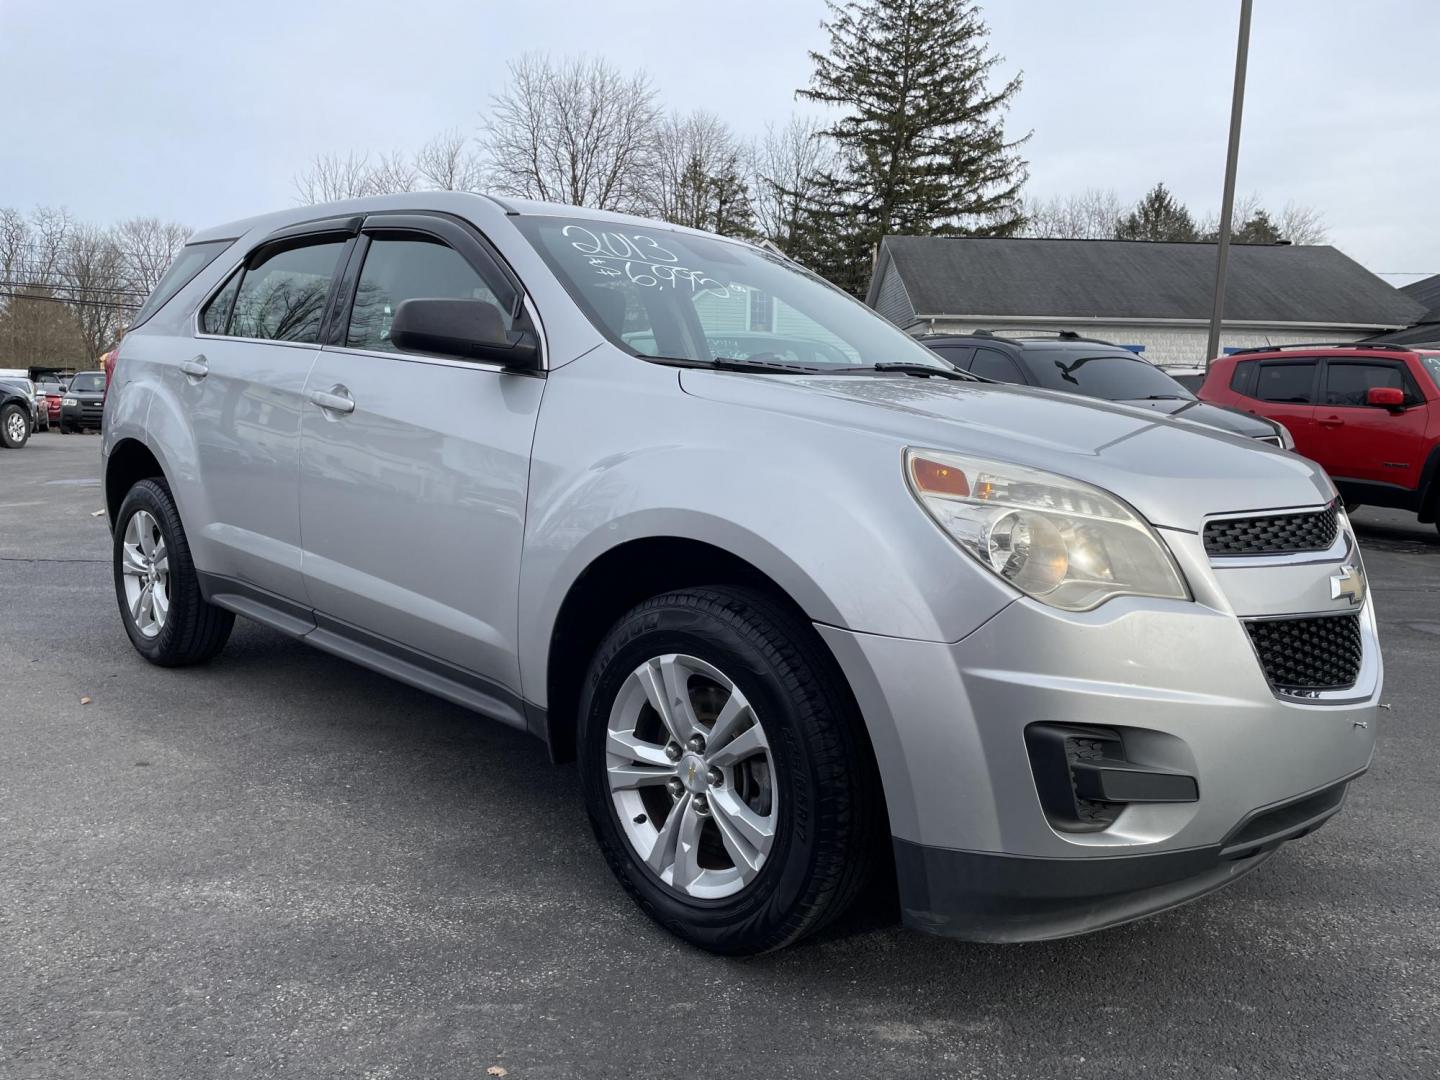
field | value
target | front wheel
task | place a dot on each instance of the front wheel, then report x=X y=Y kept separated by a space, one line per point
x=725 y=775
x=168 y=620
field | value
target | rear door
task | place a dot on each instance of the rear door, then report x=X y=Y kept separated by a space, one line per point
x=412 y=492
x=242 y=390
x=1367 y=442
x=1283 y=390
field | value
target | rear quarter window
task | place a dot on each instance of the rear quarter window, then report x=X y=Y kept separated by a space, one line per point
x=192 y=259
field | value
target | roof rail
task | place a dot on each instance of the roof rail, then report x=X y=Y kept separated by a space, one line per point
x=1021 y=333
x=1385 y=345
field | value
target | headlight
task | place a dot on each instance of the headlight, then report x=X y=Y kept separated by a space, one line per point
x=1287 y=441
x=1065 y=543
x=68 y=401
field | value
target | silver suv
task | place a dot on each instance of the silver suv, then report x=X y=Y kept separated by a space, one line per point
x=811 y=608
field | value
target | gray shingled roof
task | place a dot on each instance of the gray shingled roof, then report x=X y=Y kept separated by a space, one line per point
x=1426 y=293
x=1121 y=279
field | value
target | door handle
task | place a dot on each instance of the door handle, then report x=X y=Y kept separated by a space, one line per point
x=337 y=399
x=197 y=368
x=1331 y=421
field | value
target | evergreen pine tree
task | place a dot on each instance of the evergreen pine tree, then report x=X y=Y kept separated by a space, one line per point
x=920 y=138
x=1158 y=216
x=1259 y=229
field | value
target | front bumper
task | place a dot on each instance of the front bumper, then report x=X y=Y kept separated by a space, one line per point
x=83 y=415
x=977 y=854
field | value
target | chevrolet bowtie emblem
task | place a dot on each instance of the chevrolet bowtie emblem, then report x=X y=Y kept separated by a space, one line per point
x=1349 y=583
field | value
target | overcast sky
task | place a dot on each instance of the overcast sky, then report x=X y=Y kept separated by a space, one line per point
x=203 y=110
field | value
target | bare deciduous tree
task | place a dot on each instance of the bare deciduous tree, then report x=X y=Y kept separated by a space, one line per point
x=1295 y=223
x=696 y=176
x=91 y=274
x=446 y=163
x=1093 y=214
x=147 y=246
x=784 y=166
x=578 y=132
x=331 y=178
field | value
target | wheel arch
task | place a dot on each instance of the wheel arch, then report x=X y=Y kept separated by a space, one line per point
x=129 y=462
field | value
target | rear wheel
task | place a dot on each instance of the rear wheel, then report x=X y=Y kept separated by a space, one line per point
x=724 y=775
x=14 y=426
x=169 y=622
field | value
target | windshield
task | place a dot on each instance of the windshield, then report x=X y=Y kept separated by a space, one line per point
x=1113 y=376
x=88 y=382
x=657 y=292
x=1432 y=366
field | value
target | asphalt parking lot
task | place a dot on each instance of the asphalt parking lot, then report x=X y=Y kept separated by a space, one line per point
x=283 y=864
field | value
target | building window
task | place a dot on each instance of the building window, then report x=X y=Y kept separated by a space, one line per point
x=762 y=311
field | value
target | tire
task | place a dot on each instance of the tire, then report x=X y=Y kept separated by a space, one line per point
x=14 y=427
x=191 y=630
x=822 y=800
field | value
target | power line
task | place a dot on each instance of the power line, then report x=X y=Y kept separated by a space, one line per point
x=112 y=304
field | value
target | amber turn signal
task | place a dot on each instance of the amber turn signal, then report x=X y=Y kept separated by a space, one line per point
x=933 y=478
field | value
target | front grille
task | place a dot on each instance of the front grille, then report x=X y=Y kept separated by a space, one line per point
x=1313 y=654
x=1275 y=534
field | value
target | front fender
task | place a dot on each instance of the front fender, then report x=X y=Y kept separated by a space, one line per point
x=622 y=453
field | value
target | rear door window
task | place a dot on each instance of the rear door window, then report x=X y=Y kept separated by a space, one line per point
x=282 y=295
x=1290 y=381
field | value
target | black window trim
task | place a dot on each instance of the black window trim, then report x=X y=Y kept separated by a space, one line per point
x=1318 y=365
x=465 y=240
x=1413 y=397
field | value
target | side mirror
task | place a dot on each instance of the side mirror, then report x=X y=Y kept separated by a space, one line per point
x=1385 y=397
x=466 y=329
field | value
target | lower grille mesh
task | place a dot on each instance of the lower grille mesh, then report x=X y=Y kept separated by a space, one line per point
x=1313 y=654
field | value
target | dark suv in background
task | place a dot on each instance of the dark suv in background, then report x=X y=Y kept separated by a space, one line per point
x=1093 y=368
x=84 y=402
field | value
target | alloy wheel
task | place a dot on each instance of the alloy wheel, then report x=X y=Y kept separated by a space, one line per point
x=691 y=776
x=17 y=426
x=146 y=566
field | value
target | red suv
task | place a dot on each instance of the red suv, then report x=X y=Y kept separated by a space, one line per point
x=1370 y=414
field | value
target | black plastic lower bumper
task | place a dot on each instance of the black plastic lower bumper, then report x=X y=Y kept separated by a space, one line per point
x=987 y=896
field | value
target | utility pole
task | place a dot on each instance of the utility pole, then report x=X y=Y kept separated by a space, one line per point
x=1227 y=202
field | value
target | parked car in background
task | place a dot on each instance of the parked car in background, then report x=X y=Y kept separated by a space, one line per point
x=1370 y=414
x=50 y=394
x=1045 y=662
x=84 y=402
x=1093 y=368
x=40 y=418
x=17 y=415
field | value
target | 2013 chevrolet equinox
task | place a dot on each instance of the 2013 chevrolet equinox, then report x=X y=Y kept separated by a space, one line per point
x=804 y=602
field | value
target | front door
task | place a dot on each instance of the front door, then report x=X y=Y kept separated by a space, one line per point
x=1368 y=442
x=414 y=468
x=242 y=389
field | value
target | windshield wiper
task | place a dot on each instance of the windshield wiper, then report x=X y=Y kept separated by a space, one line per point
x=1160 y=397
x=739 y=363
x=906 y=368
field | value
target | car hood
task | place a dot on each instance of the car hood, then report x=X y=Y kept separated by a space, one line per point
x=1173 y=471
x=84 y=395
x=1216 y=416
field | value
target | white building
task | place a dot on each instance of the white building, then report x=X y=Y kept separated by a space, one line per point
x=1153 y=297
